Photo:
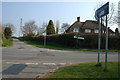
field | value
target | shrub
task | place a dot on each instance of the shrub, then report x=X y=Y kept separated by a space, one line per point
x=8 y=32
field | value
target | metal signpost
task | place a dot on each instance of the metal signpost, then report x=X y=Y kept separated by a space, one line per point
x=44 y=39
x=102 y=11
x=99 y=34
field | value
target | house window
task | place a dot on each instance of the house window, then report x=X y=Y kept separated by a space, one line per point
x=75 y=30
x=88 y=30
x=96 y=30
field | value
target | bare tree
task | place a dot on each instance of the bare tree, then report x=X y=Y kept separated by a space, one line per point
x=118 y=18
x=65 y=26
x=29 y=29
x=57 y=26
x=41 y=30
x=44 y=27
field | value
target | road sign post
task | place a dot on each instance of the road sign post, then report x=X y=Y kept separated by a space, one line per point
x=78 y=38
x=100 y=12
x=99 y=38
x=105 y=68
x=44 y=40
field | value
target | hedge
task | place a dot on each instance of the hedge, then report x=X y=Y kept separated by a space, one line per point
x=90 y=41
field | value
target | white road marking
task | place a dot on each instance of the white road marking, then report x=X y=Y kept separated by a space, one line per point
x=21 y=63
x=49 y=63
x=62 y=63
x=12 y=63
x=27 y=63
x=57 y=50
x=32 y=63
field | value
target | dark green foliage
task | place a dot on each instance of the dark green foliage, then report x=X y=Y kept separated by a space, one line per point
x=90 y=41
x=116 y=32
x=50 y=28
x=114 y=42
x=8 y=32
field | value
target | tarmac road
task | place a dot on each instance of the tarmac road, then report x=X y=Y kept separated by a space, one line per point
x=26 y=61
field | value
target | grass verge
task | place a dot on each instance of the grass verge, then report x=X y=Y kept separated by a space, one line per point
x=87 y=70
x=7 y=42
x=61 y=47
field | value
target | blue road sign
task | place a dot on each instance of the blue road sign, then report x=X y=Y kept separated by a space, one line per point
x=102 y=11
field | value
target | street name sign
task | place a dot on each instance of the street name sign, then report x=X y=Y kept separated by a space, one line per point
x=79 y=37
x=102 y=11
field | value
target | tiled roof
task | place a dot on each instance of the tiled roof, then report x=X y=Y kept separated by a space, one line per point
x=77 y=24
x=90 y=24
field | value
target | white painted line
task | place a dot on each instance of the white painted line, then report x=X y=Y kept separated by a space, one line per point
x=62 y=63
x=32 y=63
x=49 y=63
x=57 y=50
x=12 y=63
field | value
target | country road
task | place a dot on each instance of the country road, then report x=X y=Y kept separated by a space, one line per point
x=26 y=61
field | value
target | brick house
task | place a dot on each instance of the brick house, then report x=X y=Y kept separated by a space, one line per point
x=87 y=27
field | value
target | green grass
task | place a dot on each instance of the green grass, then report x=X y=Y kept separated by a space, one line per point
x=87 y=70
x=7 y=42
x=60 y=47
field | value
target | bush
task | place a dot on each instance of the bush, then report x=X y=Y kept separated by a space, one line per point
x=90 y=41
x=8 y=32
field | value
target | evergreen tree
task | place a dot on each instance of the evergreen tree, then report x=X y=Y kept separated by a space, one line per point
x=50 y=28
x=116 y=32
x=8 y=32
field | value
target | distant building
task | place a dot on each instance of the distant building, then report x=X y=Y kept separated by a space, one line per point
x=87 y=27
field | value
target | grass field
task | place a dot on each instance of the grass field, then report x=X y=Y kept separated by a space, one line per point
x=87 y=70
x=61 y=47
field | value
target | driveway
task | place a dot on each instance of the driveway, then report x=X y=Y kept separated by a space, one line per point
x=26 y=61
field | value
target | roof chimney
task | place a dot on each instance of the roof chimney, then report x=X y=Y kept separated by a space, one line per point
x=78 y=19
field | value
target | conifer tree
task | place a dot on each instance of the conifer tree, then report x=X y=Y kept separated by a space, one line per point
x=8 y=32
x=50 y=28
x=116 y=32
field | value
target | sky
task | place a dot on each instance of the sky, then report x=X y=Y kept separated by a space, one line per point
x=65 y=12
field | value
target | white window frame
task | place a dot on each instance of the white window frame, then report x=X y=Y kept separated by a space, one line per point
x=75 y=30
x=87 y=30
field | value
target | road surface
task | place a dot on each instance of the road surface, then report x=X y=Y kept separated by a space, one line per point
x=26 y=61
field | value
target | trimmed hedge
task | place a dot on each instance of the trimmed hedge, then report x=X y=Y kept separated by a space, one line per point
x=90 y=41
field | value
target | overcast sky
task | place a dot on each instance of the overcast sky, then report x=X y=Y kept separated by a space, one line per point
x=65 y=12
